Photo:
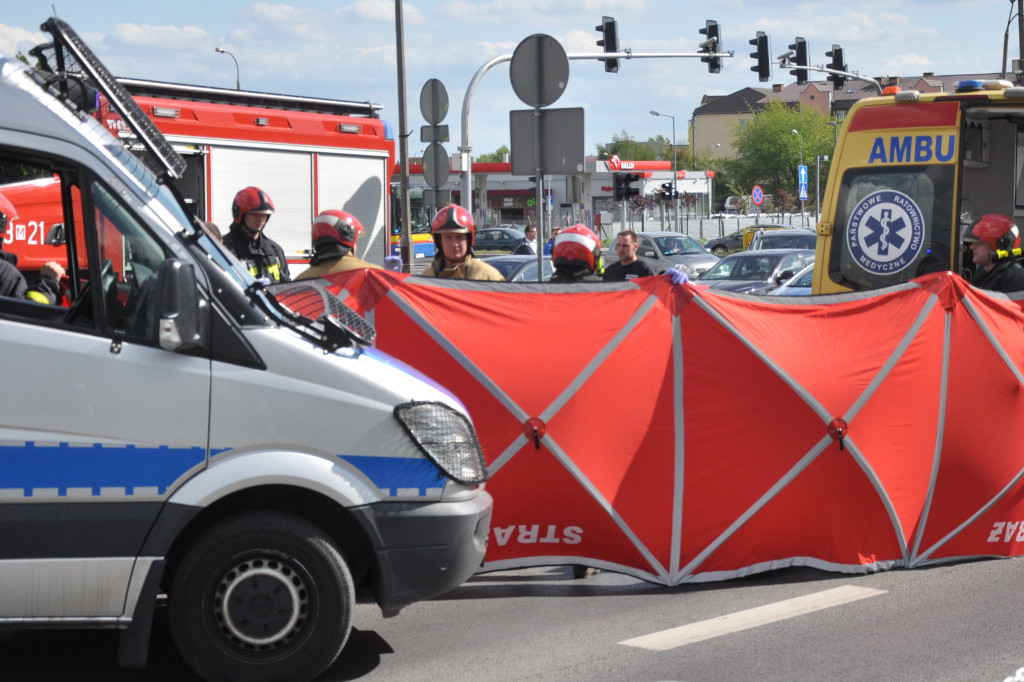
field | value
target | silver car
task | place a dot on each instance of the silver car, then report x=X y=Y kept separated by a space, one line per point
x=667 y=250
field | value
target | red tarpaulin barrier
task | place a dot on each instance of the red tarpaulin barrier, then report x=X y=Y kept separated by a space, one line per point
x=679 y=434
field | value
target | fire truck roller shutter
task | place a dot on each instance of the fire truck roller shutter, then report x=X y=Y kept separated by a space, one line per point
x=286 y=176
x=358 y=185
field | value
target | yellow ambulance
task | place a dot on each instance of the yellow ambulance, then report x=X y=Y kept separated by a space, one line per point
x=911 y=172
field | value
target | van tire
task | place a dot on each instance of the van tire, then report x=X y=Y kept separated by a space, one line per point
x=290 y=602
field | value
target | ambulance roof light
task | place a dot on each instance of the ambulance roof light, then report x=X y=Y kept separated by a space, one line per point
x=908 y=96
x=996 y=84
x=891 y=90
x=1014 y=93
x=990 y=84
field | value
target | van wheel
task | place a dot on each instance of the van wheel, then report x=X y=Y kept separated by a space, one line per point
x=261 y=596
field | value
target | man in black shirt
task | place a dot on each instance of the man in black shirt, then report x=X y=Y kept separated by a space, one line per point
x=629 y=266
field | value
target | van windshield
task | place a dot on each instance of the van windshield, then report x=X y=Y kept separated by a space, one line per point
x=892 y=224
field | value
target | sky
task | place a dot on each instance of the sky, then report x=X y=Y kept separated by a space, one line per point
x=346 y=49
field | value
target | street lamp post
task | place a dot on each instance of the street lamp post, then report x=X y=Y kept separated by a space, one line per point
x=803 y=218
x=675 y=172
x=238 y=75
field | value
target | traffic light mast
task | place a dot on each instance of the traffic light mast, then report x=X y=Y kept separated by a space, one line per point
x=799 y=52
x=837 y=69
x=762 y=56
x=610 y=42
x=710 y=46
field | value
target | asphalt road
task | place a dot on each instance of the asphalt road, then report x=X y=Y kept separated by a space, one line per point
x=959 y=622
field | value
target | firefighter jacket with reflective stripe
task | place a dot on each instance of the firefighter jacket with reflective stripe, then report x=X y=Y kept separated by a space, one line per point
x=263 y=257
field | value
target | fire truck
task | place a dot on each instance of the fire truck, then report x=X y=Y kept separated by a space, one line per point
x=911 y=172
x=308 y=154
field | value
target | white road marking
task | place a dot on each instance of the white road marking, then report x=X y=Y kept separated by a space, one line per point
x=751 y=618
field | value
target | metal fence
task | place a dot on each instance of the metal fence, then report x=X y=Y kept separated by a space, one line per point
x=703 y=227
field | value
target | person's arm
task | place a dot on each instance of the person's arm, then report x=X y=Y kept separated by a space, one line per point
x=47 y=289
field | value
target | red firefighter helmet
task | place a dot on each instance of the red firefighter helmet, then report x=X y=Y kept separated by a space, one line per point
x=575 y=246
x=996 y=230
x=7 y=214
x=455 y=219
x=337 y=226
x=251 y=200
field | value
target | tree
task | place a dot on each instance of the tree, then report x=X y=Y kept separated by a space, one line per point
x=497 y=156
x=767 y=151
x=625 y=147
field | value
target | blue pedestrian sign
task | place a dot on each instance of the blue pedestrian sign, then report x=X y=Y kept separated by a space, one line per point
x=802 y=182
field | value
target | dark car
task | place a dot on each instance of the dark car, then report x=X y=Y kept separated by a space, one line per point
x=756 y=272
x=797 y=238
x=520 y=268
x=503 y=239
x=739 y=239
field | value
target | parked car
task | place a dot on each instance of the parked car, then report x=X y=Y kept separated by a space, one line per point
x=739 y=239
x=667 y=250
x=796 y=238
x=798 y=285
x=756 y=272
x=503 y=239
x=520 y=268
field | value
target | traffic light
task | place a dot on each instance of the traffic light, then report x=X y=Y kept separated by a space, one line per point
x=668 y=192
x=710 y=46
x=622 y=184
x=799 y=49
x=628 y=179
x=764 y=62
x=837 y=64
x=610 y=42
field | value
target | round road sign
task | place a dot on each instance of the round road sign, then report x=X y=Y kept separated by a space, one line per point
x=757 y=195
x=433 y=101
x=436 y=166
x=539 y=70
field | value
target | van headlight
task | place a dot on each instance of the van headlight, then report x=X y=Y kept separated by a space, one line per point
x=446 y=437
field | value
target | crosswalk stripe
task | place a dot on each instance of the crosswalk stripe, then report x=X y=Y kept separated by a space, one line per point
x=750 y=618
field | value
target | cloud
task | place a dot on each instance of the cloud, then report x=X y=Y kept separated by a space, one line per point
x=528 y=11
x=155 y=38
x=14 y=39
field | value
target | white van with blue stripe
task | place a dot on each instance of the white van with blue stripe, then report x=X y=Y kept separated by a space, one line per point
x=177 y=431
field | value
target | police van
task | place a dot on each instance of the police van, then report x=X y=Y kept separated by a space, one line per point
x=180 y=435
x=911 y=172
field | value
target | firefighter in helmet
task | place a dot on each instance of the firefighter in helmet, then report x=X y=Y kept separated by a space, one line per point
x=12 y=282
x=576 y=252
x=334 y=242
x=990 y=233
x=453 y=229
x=264 y=257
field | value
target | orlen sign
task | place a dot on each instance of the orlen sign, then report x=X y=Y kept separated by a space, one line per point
x=615 y=164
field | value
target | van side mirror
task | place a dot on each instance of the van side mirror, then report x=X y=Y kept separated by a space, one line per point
x=180 y=326
x=55 y=235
